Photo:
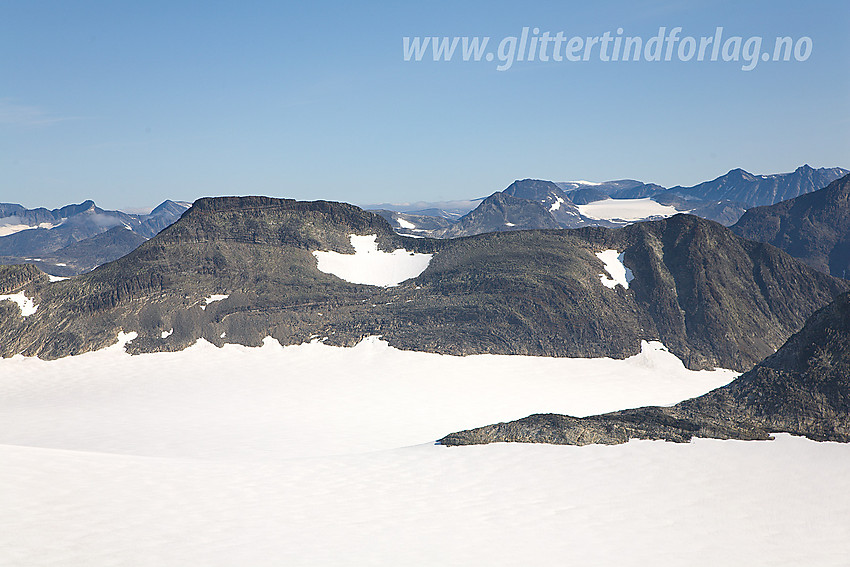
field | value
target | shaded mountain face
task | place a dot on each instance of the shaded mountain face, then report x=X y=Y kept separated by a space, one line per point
x=587 y=195
x=412 y=224
x=500 y=212
x=450 y=210
x=725 y=212
x=814 y=227
x=713 y=298
x=802 y=389
x=85 y=255
x=757 y=190
x=48 y=237
x=619 y=189
x=551 y=197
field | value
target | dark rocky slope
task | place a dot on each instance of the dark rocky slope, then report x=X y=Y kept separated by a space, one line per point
x=713 y=298
x=802 y=389
x=500 y=212
x=814 y=228
x=552 y=198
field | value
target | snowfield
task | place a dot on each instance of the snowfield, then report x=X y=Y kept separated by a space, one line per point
x=213 y=298
x=11 y=225
x=318 y=455
x=371 y=266
x=626 y=210
x=618 y=272
x=26 y=304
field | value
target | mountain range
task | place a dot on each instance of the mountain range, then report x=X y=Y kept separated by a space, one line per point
x=757 y=190
x=712 y=297
x=724 y=200
x=814 y=227
x=77 y=238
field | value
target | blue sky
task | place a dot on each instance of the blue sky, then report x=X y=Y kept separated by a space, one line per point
x=130 y=103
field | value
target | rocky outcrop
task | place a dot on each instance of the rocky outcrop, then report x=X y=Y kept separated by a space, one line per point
x=802 y=389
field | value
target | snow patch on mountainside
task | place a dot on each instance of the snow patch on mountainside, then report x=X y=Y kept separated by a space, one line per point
x=556 y=205
x=371 y=266
x=213 y=298
x=27 y=305
x=620 y=274
x=404 y=223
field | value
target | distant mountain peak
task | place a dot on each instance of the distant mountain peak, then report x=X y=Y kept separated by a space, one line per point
x=757 y=190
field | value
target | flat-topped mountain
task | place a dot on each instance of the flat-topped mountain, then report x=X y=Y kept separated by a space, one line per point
x=802 y=389
x=814 y=227
x=239 y=269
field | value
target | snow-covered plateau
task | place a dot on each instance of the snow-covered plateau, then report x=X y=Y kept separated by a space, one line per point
x=626 y=210
x=320 y=455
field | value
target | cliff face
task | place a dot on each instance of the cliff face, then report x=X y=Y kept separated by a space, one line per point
x=802 y=389
x=713 y=298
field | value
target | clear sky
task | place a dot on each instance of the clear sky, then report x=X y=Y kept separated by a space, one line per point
x=130 y=103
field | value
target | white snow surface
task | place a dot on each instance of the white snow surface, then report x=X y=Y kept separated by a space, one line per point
x=52 y=278
x=626 y=210
x=404 y=223
x=27 y=305
x=556 y=205
x=11 y=225
x=214 y=297
x=618 y=272
x=318 y=455
x=371 y=266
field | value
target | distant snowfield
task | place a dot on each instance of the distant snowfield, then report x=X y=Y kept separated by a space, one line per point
x=625 y=209
x=371 y=266
x=11 y=225
x=317 y=455
x=404 y=223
